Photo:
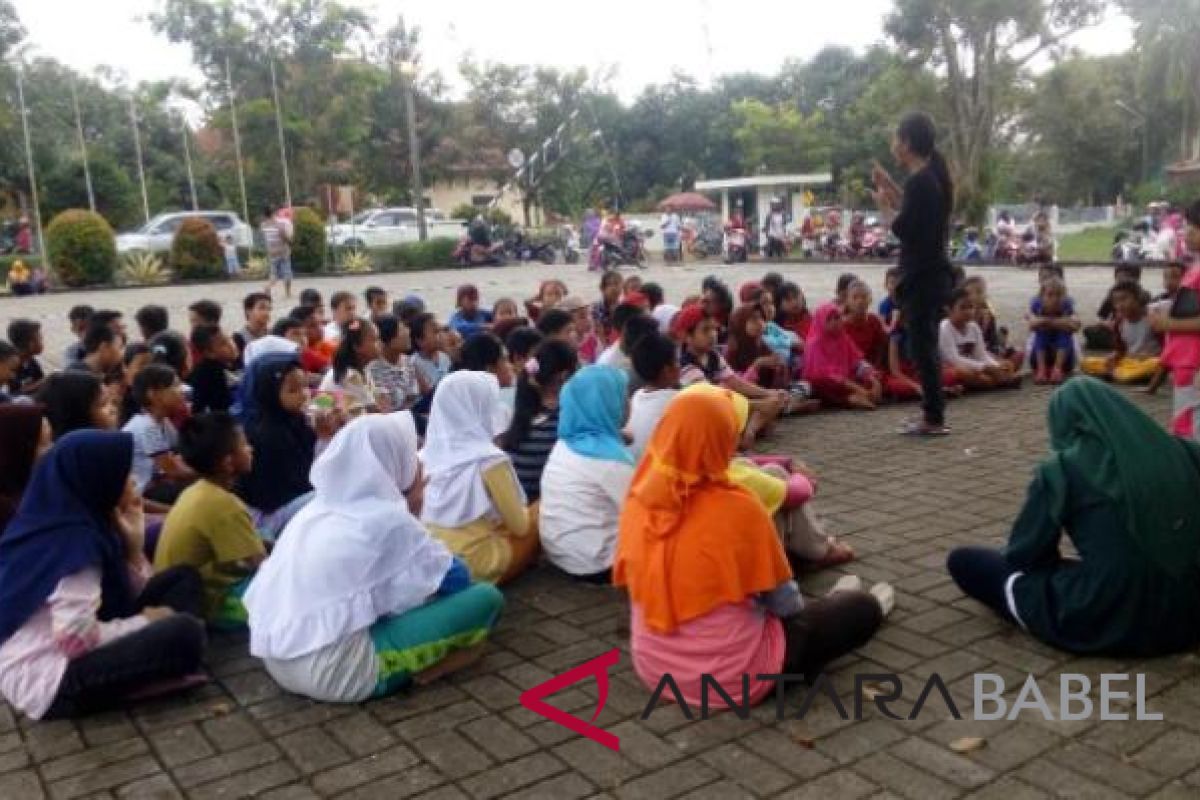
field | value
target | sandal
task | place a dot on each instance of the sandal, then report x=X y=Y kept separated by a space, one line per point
x=836 y=555
x=923 y=429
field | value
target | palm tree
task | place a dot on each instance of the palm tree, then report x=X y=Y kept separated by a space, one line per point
x=1168 y=34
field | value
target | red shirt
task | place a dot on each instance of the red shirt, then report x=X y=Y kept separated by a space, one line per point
x=797 y=325
x=314 y=360
x=871 y=338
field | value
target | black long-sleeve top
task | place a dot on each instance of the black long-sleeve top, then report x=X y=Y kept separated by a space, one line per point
x=923 y=227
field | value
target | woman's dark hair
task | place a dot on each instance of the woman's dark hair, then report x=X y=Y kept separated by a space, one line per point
x=742 y=350
x=636 y=329
x=346 y=355
x=843 y=282
x=553 y=320
x=67 y=398
x=771 y=282
x=310 y=297
x=504 y=327
x=553 y=360
x=169 y=348
x=203 y=336
x=155 y=377
x=652 y=354
x=388 y=326
x=152 y=320
x=917 y=131
x=623 y=313
x=522 y=341
x=609 y=276
x=480 y=353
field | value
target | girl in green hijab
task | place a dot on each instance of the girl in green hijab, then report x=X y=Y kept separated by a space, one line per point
x=1127 y=494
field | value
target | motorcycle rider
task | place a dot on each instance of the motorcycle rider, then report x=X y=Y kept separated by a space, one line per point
x=480 y=231
x=858 y=229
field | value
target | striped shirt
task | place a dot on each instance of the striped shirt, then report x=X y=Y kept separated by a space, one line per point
x=530 y=455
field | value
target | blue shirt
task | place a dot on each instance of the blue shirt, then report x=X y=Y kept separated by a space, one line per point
x=468 y=327
x=887 y=310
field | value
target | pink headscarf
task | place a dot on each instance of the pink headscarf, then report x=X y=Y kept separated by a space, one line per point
x=829 y=355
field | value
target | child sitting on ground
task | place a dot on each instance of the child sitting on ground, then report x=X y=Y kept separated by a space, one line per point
x=843 y=285
x=468 y=318
x=377 y=301
x=26 y=336
x=749 y=354
x=1102 y=335
x=533 y=429
x=209 y=528
x=700 y=362
x=550 y=294
x=558 y=324
x=870 y=336
x=209 y=379
x=633 y=325
x=995 y=337
x=10 y=362
x=791 y=311
x=393 y=373
x=1135 y=358
x=1172 y=279
x=960 y=341
x=602 y=310
x=158 y=472
x=889 y=307
x=358 y=346
x=1052 y=325
x=656 y=362
x=834 y=367
x=505 y=309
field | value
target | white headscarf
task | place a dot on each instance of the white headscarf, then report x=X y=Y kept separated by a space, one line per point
x=459 y=445
x=664 y=314
x=354 y=553
x=266 y=345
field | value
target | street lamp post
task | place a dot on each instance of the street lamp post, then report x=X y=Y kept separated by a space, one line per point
x=187 y=159
x=137 y=149
x=287 y=183
x=237 y=141
x=87 y=172
x=408 y=72
x=1143 y=124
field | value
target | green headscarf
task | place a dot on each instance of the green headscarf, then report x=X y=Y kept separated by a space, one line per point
x=1150 y=475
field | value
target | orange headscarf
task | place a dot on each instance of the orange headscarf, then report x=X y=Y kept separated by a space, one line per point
x=690 y=540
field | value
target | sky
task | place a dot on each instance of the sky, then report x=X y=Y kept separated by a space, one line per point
x=645 y=39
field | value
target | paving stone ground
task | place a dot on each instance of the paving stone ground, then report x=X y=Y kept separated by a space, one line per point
x=902 y=504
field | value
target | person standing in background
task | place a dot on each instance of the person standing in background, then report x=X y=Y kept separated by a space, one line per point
x=923 y=227
x=277 y=233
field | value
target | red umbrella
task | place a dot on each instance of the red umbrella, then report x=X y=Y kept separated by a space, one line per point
x=687 y=201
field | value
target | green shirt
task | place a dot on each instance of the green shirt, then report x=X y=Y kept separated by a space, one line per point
x=210 y=529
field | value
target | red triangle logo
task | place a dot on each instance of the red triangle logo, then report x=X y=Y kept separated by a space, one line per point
x=598 y=666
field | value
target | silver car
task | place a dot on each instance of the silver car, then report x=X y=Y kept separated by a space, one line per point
x=157 y=234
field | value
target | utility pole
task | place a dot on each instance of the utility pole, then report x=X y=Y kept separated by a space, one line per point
x=137 y=149
x=187 y=159
x=33 y=192
x=287 y=183
x=237 y=142
x=408 y=73
x=87 y=172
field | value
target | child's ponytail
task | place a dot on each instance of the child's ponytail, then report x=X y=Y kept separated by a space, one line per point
x=551 y=361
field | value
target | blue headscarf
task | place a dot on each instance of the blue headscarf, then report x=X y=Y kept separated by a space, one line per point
x=64 y=525
x=592 y=408
x=261 y=382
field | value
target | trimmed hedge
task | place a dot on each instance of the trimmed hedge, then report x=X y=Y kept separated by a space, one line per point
x=196 y=251
x=82 y=248
x=431 y=254
x=308 y=241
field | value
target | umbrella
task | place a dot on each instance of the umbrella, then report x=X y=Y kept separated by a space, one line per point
x=687 y=201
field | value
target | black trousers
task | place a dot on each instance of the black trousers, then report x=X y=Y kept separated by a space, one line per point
x=981 y=573
x=922 y=316
x=827 y=628
x=164 y=649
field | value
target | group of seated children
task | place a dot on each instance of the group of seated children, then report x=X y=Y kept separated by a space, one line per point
x=353 y=491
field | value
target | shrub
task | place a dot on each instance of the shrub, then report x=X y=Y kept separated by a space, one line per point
x=308 y=241
x=196 y=251
x=82 y=248
x=142 y=269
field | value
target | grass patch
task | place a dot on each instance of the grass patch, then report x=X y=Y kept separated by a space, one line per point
x=1092 y=244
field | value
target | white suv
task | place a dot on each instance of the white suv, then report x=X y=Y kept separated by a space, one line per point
x=157 y=234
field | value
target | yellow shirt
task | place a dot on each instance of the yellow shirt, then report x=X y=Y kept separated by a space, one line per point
x=209 y=529
x=770 y=490
x=483 y=544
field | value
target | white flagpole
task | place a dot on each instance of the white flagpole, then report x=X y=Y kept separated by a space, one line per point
x=137 y=148
x=237 y=142
x=187 y=158
x=87 y=172
x=287 y=184
x=33 y=192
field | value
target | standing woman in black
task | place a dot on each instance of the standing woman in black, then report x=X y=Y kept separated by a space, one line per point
x=923 y=227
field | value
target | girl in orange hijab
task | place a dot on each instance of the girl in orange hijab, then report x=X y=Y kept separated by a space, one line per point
x=711 y=589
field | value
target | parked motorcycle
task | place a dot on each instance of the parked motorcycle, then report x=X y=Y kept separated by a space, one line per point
x=630 y=251
x=469 y=253
x=709 y=241
x=835 y=247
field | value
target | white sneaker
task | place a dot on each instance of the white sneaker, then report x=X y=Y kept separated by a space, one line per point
x=886 y=595
x=847 y=583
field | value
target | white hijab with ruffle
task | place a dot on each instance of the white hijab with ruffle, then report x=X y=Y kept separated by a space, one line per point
x=353 y=554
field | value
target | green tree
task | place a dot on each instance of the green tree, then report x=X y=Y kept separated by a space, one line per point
x=1168 y=38
x=984 y=46
x=779 y=139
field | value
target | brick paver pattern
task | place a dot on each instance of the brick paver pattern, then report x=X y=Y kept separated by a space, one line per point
x=901 y=503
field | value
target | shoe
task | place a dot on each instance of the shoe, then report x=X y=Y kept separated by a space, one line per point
x=847 y=583
x=886 y=595
x=923 y=428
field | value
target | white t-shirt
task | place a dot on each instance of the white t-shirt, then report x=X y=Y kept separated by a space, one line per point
x=332 y=331
x=150 y=440
x=581 y=508
x=645 y=410
x=964 y=349
x=614 y=357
